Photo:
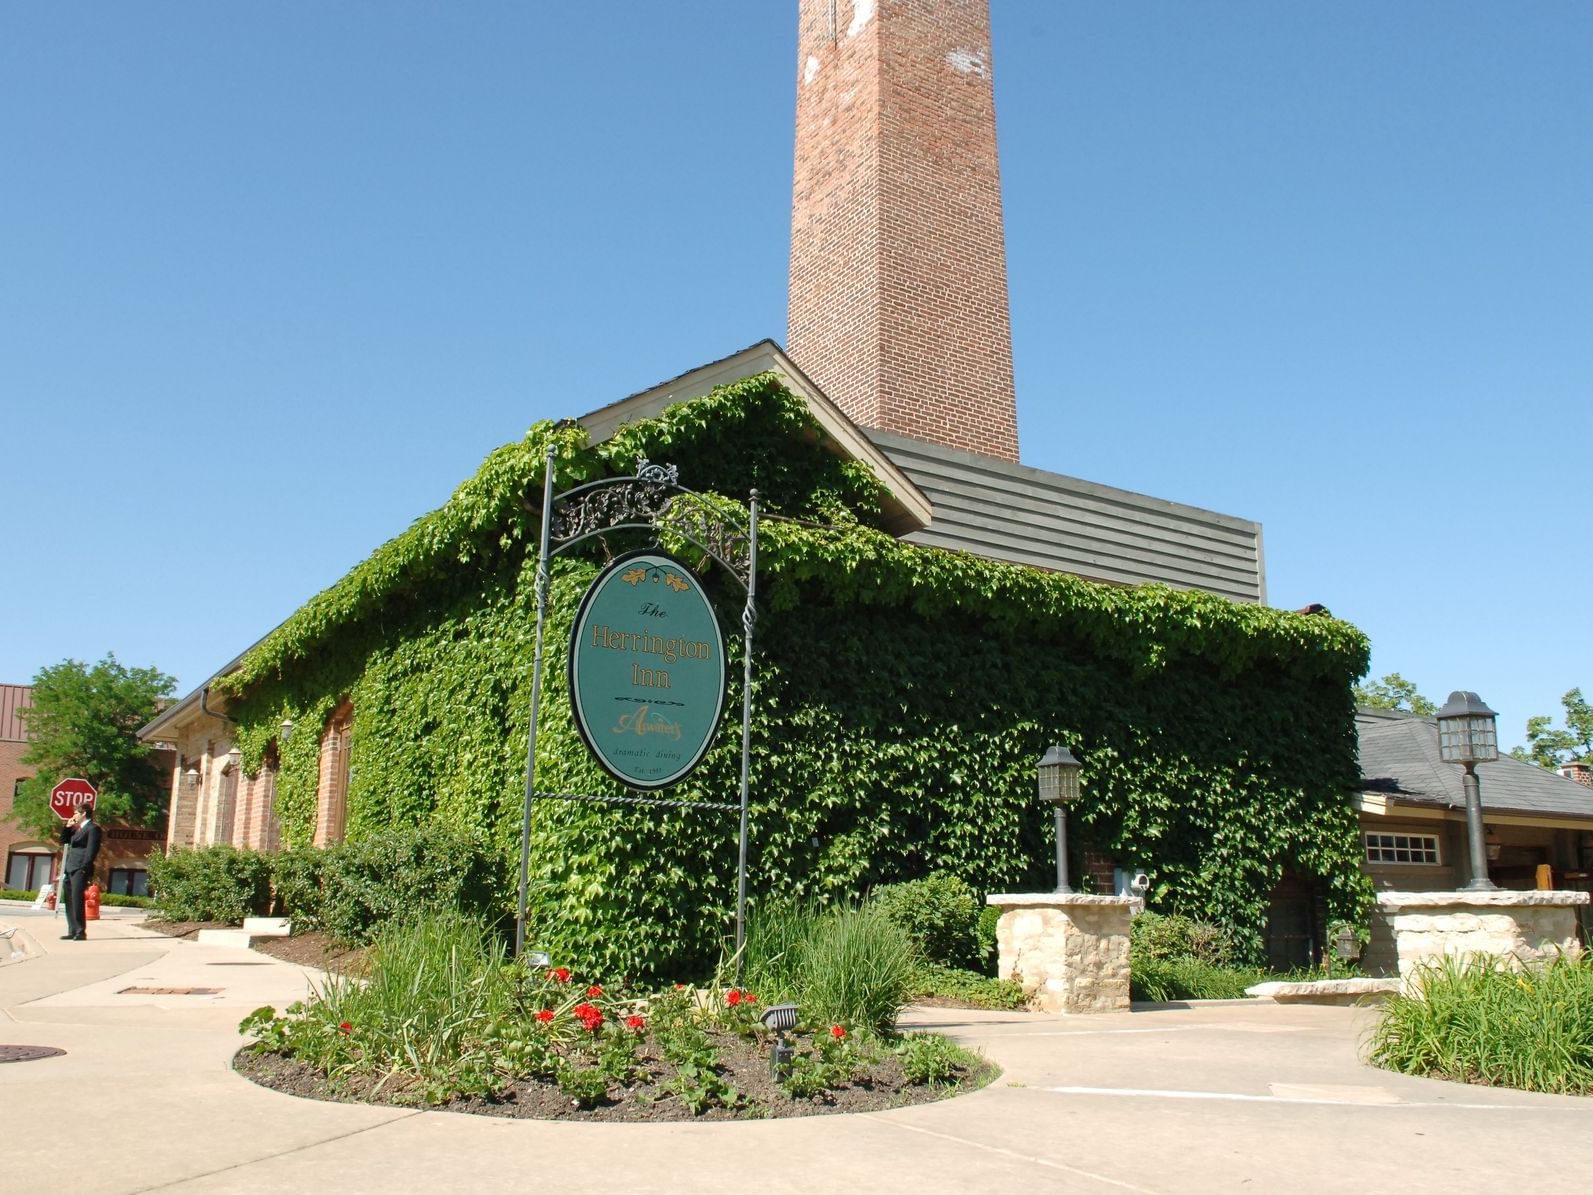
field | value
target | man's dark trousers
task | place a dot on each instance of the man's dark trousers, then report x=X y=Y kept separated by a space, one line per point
x=73 y=885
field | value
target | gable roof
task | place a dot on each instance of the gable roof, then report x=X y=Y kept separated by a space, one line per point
x=904 y=505
x=1400 y=764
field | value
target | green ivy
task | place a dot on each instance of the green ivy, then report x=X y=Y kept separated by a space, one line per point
x=903 y=695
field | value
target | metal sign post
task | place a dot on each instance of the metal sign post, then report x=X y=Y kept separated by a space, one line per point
x=652 y=501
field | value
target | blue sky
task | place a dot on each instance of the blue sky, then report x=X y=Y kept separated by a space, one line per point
x=274 y=279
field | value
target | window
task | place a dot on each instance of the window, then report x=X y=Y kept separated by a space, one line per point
x=1402 y=848
x=129 y=881
x=28 y=871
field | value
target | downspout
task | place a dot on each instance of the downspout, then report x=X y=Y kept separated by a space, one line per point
x=204 y=707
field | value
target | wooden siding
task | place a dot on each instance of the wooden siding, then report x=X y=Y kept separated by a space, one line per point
x=1012 y=512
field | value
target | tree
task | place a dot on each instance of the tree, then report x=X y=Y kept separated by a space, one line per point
x=1549 y=747
x=84 y=722
x=1394 y=692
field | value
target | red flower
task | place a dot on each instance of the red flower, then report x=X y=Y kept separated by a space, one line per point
x=559 y=974
x=733 y=997
x=595 y=991
x=589 y=1016
x=837 y=1032
x=635 y=1024
x=750 y=998
x=545 y=1015
x=680 y=987
x=345 y=1027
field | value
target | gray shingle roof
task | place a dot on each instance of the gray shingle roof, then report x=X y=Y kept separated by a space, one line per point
x=1399 y=760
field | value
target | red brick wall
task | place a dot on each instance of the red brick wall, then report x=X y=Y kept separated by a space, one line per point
x=12 y=770
x=331 y=796
x=898 y=285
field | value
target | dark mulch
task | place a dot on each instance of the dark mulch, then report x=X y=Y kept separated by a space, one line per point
x=744 y=1065
x=312 y=948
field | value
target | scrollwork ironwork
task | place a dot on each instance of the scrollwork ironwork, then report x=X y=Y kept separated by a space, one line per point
x=653 y=498
x=610 y=504
x=692 y=516
x=647 y=471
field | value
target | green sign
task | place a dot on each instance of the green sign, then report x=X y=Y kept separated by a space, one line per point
x=647 y=670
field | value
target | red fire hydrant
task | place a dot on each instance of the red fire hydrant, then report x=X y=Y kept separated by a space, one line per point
x=91 y=903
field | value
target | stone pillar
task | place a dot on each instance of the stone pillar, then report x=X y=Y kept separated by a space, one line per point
x=1518 y=928
x=1069 y=952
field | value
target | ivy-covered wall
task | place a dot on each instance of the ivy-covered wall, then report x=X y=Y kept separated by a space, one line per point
x=902 y=697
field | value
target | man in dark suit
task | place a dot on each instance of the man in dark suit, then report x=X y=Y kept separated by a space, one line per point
x=82 y=837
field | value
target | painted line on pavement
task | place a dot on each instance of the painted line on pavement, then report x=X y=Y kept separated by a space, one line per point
x=1107 y=1032
x=1238 y=1097
x=1022 y=1157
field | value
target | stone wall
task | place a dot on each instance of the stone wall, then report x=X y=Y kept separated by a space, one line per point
x=1520 y=928
x=1068 y=952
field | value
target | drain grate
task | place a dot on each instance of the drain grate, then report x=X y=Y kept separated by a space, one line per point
x=169 y=992
x=27 y=1053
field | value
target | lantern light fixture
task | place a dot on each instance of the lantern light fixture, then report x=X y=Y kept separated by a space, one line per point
x=1468 y=735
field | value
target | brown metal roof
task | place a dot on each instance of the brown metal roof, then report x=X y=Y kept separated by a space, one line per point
x=12 y=699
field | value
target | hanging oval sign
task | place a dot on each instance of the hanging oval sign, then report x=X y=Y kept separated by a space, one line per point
x=647 y=670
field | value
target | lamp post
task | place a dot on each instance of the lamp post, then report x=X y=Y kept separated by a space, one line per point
x=1468 y=735
x=1058 y=774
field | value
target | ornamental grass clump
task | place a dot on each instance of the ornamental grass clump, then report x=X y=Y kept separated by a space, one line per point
x=1478 y=1020
x=851 y=965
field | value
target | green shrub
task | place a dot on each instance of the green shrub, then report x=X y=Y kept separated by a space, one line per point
x=400 y=872
x=1477 y=1021
x=985 y=931
x=1173 y=936
x=967 y=987
x=940 y=913
x=298 y=885
x=213 y=883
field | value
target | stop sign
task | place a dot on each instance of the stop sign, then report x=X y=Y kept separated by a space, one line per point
x=72 y=792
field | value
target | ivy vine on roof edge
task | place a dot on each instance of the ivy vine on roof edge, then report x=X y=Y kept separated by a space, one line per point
x=755 y=432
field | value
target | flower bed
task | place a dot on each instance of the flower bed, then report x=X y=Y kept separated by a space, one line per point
x=442 y=1020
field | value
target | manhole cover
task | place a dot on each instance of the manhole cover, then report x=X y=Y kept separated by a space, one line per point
x=169 y=992
x=27 y=1053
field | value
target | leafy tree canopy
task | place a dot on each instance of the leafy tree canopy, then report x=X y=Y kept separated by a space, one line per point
x=1394 y=692
x=84 y=722
x=1549 y=746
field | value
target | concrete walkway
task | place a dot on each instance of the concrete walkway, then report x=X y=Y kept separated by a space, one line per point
x=1217 y=1097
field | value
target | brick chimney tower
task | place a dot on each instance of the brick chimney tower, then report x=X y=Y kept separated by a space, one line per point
x=898 y=302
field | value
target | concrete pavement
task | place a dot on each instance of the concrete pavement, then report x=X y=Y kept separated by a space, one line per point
x=1215 y=1097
